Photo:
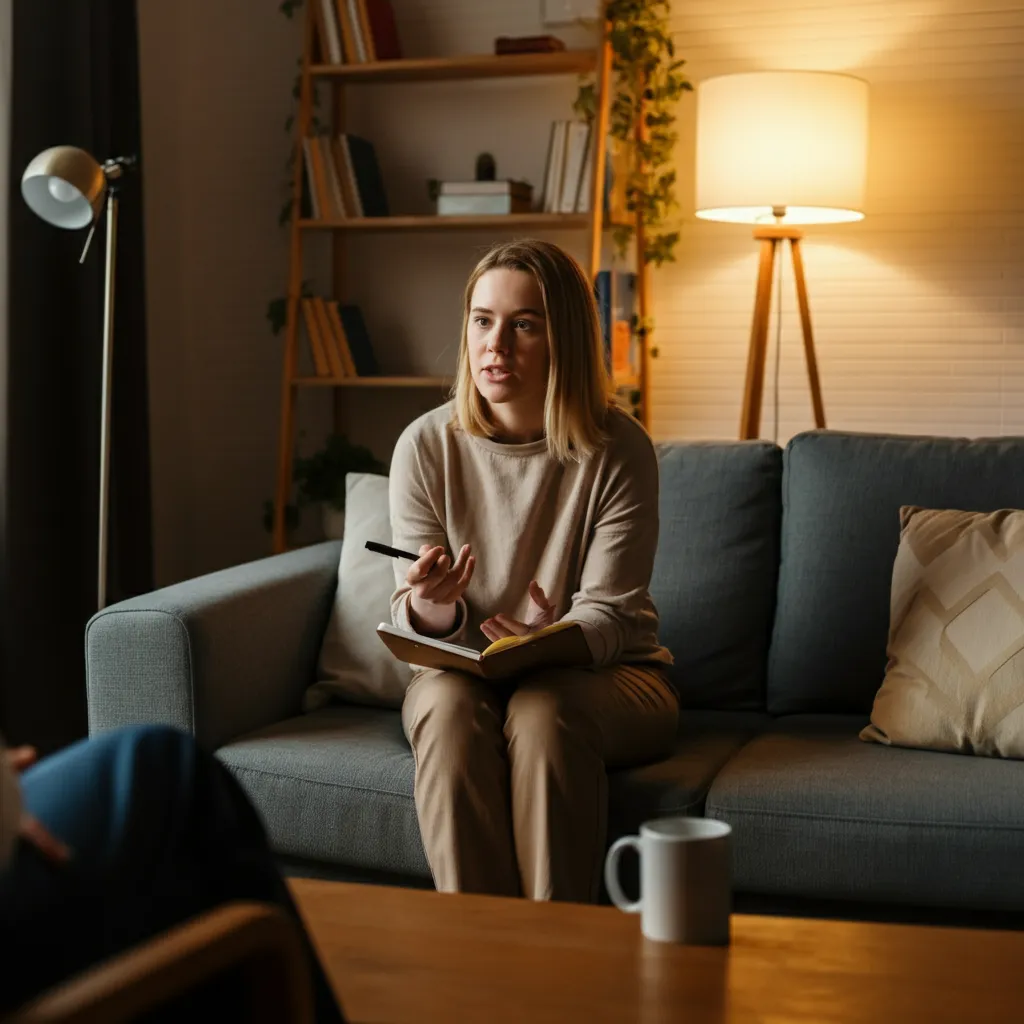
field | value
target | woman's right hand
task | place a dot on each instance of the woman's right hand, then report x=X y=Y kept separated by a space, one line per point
x=436 y=584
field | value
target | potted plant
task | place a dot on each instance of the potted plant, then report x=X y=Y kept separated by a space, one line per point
x=320 y=478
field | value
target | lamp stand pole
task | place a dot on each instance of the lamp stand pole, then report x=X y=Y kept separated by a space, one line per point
x=108 y=376
x=770 y=237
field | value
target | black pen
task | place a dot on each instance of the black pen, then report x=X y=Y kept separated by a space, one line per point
x=384 y=549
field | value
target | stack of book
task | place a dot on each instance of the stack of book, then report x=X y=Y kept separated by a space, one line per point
x=483 y=198
x=616 y=307
x=356 y=31
x=338 y=339
x=569 y=170
x=343 y=178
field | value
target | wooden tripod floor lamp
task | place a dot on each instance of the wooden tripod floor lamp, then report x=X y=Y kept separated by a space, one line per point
x=779 y=149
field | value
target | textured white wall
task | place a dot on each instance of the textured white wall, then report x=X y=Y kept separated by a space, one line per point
x=918 y=320
x=916 y=310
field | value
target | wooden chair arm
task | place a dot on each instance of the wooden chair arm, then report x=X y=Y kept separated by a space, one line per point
x=255 y=938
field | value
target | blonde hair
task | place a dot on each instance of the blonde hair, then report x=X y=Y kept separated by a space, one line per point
x=579 y=392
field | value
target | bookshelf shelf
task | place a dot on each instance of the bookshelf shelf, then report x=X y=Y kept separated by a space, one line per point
x=451 y=69
x=373 y=382
x=509 y=221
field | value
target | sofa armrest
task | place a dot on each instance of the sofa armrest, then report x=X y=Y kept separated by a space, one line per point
x=217 y=656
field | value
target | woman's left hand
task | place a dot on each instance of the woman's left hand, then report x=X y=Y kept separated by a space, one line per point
x=541 y=613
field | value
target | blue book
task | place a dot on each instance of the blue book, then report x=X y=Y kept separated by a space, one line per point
x=603 y=292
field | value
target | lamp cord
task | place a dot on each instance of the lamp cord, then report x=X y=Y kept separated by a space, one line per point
x=778 y=345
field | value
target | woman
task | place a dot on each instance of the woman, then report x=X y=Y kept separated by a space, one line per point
x=548 y=497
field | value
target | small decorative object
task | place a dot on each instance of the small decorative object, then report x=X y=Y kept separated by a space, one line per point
x=486 y=169
x=482 y=198
x=528 y=44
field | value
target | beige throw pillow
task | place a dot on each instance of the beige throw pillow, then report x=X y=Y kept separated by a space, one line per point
x=354 y=665
x=955 y=678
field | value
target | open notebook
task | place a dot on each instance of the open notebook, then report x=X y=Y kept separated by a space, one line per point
x=559 y=645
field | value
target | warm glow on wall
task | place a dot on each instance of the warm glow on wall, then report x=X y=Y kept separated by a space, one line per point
x=781 y=147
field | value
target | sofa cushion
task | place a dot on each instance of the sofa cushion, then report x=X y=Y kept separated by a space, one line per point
x=818 y=813
x=354 y=665
x=841 y=499
x=716 y=569
x=336 y=785
x=955 y=678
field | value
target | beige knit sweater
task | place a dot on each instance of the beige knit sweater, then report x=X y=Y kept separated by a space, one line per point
x=586 y=532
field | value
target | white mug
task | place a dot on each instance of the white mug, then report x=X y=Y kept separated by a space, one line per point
x=685 y=880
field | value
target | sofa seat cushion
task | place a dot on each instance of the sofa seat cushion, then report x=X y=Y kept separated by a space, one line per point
x=336 y=785
x=817 y=812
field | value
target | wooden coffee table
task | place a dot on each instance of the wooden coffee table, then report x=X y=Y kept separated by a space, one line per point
x=405 y=955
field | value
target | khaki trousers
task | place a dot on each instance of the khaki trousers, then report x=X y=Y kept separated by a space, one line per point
x=511 y=790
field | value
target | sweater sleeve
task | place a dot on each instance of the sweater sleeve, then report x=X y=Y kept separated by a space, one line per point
x=416 y=500
x=10 y=808
x=613 y=603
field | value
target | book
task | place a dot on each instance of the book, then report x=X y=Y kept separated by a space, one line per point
x=330 y=343
x=623 y=318
x=358 y=341
x=364 y=30
x=603 y=294
x=331 y=31
x=480 y=205
x=346 y=178
x=323 y=197
x=522 y=189
x=334 y=316
x=528 y=44
x=348 y=32
x=333 y=176
x=555 y=164
x=383 y=30
x=365 y=170
x=577 y=134
x=314 y=193
x=586 y=178
x=316 y=341
x=560 y=645
x=357 y=34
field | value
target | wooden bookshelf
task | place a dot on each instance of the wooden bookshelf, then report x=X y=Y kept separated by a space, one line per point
x=441 y=383
x=451 y=69
x=417 y=70
x=499 y=222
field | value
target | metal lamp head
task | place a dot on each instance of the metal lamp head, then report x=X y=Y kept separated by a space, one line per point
x=65 y=186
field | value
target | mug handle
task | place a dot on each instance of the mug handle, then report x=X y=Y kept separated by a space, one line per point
x=611 y=874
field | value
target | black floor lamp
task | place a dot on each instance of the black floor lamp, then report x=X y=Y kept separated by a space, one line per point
x=66 y=187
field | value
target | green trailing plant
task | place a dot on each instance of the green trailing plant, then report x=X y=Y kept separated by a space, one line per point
x=647 y=83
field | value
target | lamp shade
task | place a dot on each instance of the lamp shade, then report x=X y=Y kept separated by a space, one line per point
x=785 y=147
x=65 y=186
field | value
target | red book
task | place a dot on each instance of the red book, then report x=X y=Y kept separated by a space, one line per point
x=384 y=30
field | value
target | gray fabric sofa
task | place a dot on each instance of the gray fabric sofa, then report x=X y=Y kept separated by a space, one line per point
x=772 y=581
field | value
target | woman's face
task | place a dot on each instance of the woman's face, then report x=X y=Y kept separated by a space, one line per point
x=508 y=342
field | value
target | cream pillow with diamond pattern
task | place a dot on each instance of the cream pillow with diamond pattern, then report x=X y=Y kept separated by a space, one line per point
x=955 y=678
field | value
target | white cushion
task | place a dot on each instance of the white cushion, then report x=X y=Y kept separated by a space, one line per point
x=354 y=664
